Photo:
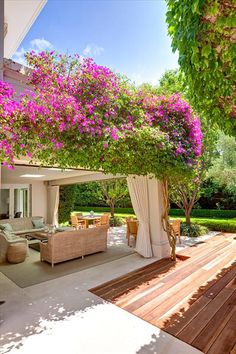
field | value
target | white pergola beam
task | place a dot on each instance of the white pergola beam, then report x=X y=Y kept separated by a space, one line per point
x=93 y=177
x=19 y=17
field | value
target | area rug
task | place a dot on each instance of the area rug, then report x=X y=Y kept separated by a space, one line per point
x=32 y=271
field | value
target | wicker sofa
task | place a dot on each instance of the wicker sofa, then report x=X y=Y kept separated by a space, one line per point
x=20 y=227
x=63 y=246
x=23 y=226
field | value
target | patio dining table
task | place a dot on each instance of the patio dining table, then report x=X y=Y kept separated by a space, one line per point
x=89 y=217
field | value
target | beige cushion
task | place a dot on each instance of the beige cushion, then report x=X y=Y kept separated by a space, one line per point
x=6 y=227
x=30 y=231
x=9 y=235
x=20 y=224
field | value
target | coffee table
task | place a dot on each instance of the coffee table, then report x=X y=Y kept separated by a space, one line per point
x=41 y=236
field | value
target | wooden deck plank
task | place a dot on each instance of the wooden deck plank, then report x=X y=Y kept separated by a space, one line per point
x=189 y=333
x=187 y=286
x=225 y=342
x=221 y=283
x=114 y=292
x=172 y=279
x=192 y=299
x=209 y=334
x=202 y=283
x=103 y=288
x=183 y=316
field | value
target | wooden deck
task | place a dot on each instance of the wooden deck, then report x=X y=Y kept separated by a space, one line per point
x=192 y=299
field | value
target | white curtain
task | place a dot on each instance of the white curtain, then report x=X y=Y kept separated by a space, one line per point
x=138 y=189
x=53 y=204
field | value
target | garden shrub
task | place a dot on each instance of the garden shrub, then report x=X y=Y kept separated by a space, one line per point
x=67 y=202
x=116 y=221
x=194 y=230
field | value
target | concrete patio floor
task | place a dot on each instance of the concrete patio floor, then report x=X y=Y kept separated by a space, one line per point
x=62 y=316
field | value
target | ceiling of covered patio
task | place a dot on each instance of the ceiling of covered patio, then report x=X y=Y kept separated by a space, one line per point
x=23 y=173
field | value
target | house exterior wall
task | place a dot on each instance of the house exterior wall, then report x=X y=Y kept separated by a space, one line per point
x=39 y=199
x=1 y=37
x=17 y=75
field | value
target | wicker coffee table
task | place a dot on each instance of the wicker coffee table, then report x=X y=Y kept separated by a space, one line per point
x=41 y=236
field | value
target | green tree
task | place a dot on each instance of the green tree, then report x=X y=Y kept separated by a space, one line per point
x=113 y=192
x=223 y=169
x=203 y=32
x=172 y=81
x=88 y=194
x=66 y=202
x=186 y=192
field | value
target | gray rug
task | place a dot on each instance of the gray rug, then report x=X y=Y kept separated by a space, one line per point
x=32 y=271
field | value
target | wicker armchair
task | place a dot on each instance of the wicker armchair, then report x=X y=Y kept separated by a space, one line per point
x=78 y=223
x=132 y=229
x=176 y=228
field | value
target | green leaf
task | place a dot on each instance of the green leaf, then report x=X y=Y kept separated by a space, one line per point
x=206 y=50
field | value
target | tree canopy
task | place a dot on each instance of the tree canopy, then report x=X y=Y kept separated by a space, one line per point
x=204 y=34
x=223 y=170
x=82 y=114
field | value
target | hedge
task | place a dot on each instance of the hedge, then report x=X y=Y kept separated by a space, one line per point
x=217 y=225
x=107 y=209
x=206 y=213
x=197 y=213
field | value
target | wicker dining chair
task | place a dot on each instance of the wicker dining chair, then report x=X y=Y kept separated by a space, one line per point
x=78 y=223
x=132 y=229
x=103 y=220
x=176 y=228
x=78 y=214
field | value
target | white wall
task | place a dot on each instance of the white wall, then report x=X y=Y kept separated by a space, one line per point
x=39 y=199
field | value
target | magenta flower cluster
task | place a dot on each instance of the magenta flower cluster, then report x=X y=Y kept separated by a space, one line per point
x=74 y=100
x=175 y=117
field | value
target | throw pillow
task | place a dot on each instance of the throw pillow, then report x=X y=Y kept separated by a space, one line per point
x=6 y=227
x=38 y=223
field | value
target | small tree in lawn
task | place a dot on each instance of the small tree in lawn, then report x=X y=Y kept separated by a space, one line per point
x=185 y=192
x=223 y=170
x=112 y=192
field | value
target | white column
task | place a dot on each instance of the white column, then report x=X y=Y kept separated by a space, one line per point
x=52 y=205
x=159 y=240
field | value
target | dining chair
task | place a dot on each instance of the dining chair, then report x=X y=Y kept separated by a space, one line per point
x=176 y=228
x=132 y=229
x=78 y=223
x=103 y=220
x=78 y=214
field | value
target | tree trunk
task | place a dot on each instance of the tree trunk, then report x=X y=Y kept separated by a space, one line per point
x=165 y=219
x=112 y=206
x=188 y=217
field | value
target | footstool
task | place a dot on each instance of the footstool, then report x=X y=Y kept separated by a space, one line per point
x=17 y=252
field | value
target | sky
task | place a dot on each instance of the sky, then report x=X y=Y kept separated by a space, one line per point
x=128 y=36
